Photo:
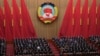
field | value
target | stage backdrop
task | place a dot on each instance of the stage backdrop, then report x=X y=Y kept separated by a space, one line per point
x=46 y=30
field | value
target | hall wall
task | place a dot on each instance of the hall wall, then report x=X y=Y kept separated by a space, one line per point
x=46 y=30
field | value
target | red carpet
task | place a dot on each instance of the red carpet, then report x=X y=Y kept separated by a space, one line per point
x=10 y=50
x=54 y=49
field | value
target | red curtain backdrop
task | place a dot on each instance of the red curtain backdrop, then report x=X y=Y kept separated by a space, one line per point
x=98 y=20
x=24 y=29
x=16 y=20
x=84 y=16
x=2 y=30
x=67 y=27
x=92 y=18
x=8 y=22
x=30 y=31
x=77 y=16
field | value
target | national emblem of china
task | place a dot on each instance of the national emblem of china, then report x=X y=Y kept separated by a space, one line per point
x=47 y=12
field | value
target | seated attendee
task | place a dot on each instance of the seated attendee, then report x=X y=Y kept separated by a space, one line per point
x=2 y=47
x=75 y=45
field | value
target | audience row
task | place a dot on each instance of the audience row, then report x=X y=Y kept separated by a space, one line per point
x=32 y=46
x=2 y=47
x=75 y=46
x=70 y=46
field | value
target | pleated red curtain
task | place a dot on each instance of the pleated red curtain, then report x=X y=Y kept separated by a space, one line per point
x=16 y=20
x=92 y=18
x=77 y=18
x=67 y=24
x=2 y=30
x=27 y=23
x=8 y=22
x=98 y=20
x=84 y=17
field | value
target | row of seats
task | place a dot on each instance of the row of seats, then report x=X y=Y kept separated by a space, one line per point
x=31 y=46
x=75 y=46
x=95 y=40
x=70 y=46
x=2 y=47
